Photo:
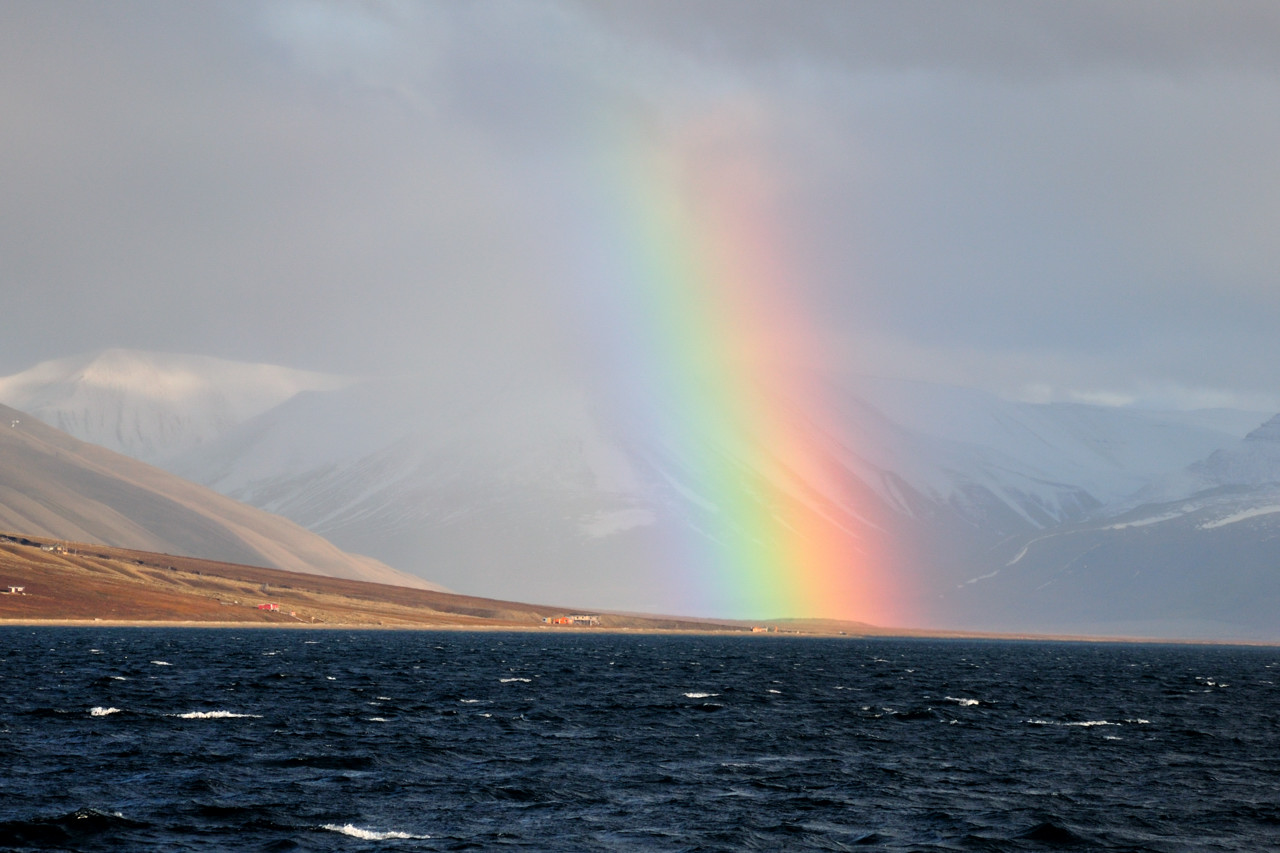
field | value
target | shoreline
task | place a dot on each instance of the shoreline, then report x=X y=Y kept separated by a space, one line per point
x=905 y=634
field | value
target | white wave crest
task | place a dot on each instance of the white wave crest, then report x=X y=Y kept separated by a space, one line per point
x=368 y=834
x=696 y=695
x=509 y=680
x=964 y=703
x=214 y=715
x=100 y=711
x=161 y=663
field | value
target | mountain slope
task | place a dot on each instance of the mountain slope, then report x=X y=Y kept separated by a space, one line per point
x=54 y=485
x=536 y=485
x=523 y=489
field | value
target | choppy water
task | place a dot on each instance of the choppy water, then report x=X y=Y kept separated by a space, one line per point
x=149 y=739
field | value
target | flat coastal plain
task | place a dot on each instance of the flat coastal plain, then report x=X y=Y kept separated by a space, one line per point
x=45 y=581
x=55 y=582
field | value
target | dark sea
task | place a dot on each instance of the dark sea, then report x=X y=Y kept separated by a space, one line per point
x=272 y=740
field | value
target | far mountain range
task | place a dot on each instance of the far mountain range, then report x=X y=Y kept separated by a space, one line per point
x=1007 y=516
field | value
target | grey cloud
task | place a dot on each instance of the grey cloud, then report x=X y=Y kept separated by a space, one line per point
x=252 y=209
x=1074 y=196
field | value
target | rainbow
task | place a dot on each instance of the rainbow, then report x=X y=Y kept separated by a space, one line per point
x=710 y=340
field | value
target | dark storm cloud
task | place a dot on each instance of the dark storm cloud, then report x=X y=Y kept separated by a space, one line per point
x=1055 y=200
x=985 y=36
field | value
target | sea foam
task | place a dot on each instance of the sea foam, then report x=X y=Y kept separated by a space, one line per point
x=368 y=834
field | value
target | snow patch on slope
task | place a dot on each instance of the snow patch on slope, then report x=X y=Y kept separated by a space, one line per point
x=1243 y=515
x=1144 y=522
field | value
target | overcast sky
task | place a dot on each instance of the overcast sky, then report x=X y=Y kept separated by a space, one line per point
x=1049 y=200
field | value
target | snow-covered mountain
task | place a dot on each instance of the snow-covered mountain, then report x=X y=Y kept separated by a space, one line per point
x=153 y=405
x=1194 y=553
x=1034 y=465
x=534 y=487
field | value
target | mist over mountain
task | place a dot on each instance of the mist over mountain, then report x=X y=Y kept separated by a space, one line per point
x=54 y=485
x=997 y=515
